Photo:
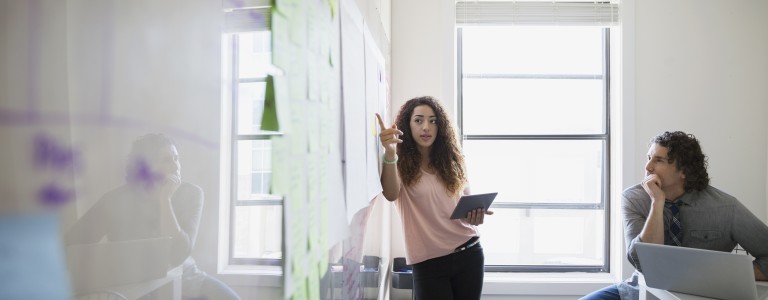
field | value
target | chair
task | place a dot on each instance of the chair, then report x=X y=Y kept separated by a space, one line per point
x=101 y=295
x=402 y=275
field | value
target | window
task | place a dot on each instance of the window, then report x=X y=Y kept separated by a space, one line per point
x=533 y=110
x=255 y=233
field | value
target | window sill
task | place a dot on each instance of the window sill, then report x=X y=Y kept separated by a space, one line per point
x=565 y=284
x=562 y=284
x=245 y=275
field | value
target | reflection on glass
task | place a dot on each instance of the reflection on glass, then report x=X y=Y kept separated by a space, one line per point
x=149 y=225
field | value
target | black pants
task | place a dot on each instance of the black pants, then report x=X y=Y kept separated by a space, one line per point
x=454 y=276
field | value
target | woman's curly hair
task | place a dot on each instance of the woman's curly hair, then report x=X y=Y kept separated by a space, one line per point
x=445 y=155
x=684 y=150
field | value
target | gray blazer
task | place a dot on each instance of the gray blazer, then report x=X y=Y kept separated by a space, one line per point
x=710 y=219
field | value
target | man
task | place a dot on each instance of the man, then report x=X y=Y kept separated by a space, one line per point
x=154 y=202
x=675 y=205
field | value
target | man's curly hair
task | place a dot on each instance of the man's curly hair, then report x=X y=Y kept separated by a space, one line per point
x=445 y=154
x=684 y=150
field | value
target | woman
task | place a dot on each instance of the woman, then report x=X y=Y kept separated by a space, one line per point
x=425 y=178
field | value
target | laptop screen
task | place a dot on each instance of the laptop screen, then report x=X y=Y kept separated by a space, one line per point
x=101 y=265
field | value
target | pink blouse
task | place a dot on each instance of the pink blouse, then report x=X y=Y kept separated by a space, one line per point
x=425 y=208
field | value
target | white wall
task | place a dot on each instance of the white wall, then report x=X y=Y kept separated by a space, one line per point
x=696 y=66
x=423 y=51
x=701 y=67
x=377 y=14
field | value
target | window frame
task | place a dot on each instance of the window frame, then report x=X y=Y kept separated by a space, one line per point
x=606 y=159
x=234 y=200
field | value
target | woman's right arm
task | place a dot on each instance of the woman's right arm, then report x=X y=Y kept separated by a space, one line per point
x=390 y=179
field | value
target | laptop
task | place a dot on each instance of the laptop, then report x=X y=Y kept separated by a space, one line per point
x=707 y=273
x=93 y=267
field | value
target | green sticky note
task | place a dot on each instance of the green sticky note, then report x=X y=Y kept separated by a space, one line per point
x=269 y=118
x=332 y=4
x=313 y=284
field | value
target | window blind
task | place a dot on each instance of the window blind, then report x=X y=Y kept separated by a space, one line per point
x=478 y=12
x=245 y=20
x=228 y=5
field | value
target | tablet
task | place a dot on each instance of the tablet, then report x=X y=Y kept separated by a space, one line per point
x=471 y=202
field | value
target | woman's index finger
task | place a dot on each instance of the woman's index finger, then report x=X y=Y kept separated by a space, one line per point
x=381 y=122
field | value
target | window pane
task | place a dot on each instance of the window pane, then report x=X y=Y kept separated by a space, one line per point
x=260 y=180
x=532 y=50
x=536 y=171
x=258 y=231
x=254 y=169
x=537 y=81
x=533 y=106
x=544 y=237
x=255 y=54
x=250 y=107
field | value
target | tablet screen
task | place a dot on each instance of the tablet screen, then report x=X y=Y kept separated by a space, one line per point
x=468 y=203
